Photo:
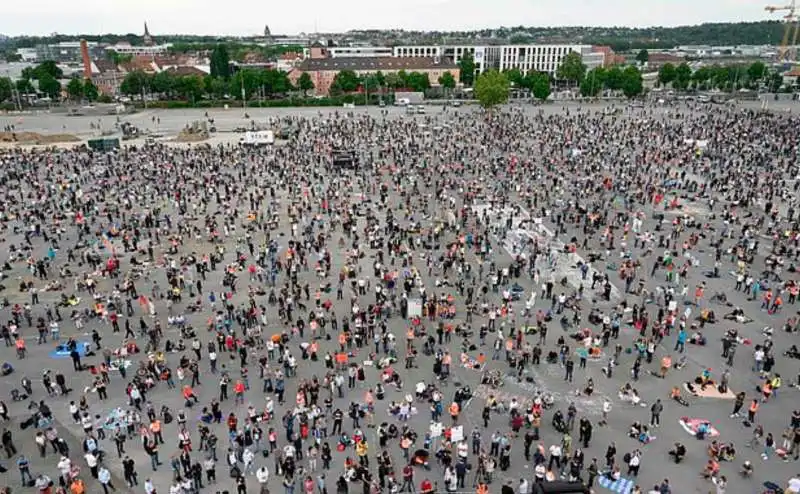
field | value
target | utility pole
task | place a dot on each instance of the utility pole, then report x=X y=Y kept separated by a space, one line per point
x=244 y=99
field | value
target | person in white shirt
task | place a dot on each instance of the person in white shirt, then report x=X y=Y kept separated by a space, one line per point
x=64 y=466
x=248 y=457
x=793 y=486
x=262 y=475
x=149 y=488
x=523 y=487
x=555 y=456
x=91 y=462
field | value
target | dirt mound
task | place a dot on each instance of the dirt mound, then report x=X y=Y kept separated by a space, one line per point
x=36 y=138
x=189 y=137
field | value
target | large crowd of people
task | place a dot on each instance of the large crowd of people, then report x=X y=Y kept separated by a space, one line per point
x=288 y=317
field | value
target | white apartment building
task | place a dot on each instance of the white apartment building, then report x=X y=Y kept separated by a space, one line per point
x=360 y=51
x=140 y=50
x=542 y=58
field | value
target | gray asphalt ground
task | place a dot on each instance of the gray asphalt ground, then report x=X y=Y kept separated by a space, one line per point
x=656 y=465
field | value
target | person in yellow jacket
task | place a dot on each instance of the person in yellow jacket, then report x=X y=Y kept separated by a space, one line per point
x=362 y=448
x=776 y=383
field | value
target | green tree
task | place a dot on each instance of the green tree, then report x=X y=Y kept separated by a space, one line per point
x=756 y=71
x=75 y=89
x=135 y=83
x=381 y=78
x=614 y=78
x=190 y=87
x=304 y=82
x=215 y=86
x=541 y=86
x=47 y=67
x=702 y=74
x=118 y=58
x=90 y=91
x=24 y=86
x=632 y=85
x=6 y=88
x=666 y=74
x=346 y=81
x=370 y=82
x=418 y=81
x=514 y=77
x=220 y=62
x=572 y=68
x=392 y=80
x=775 y=81
x=49 y=85
x=492 y=88
x=643 y=56
x=593 y=83
x=683 y=74
x=447 y=80
x=466 y=67
x=163 y=83
x=402 y=77
x=274 y=81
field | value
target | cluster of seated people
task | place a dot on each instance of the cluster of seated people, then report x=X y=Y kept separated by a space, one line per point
x=640 y=432
x=721 y=452
x=629 y=394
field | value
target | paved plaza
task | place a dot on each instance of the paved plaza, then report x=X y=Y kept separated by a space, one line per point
x=471 y=209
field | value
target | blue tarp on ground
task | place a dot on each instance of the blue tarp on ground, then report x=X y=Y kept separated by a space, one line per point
x=62 y=352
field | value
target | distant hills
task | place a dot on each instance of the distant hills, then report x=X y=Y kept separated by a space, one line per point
x=620 y=38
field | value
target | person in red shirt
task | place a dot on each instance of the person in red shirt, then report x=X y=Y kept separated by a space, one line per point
x=426 y=487
x=238 y=390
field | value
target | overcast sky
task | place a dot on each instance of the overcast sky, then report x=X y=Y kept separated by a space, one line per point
x=248 y=17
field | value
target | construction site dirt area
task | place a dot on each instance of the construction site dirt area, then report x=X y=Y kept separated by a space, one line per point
x=36 y=138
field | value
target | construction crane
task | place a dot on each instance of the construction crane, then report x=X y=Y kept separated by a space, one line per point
x=787 y=52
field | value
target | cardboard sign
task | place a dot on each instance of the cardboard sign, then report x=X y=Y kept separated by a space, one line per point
x=436 y=429
x=457 y=434
x=414 y=307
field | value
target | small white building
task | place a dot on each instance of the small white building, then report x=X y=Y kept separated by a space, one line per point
x=124 y=48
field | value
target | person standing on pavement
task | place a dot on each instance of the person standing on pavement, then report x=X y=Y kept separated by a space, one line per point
x=655 y=413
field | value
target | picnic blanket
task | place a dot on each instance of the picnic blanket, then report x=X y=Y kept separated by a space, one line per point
x=621 y=486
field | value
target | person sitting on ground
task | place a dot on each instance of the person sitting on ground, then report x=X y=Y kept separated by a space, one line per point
x=678 y=452
x=635 y=429
x=698 y=339
x=727 y=452
x=675 y=395
x=711 y=469
x=747 y=469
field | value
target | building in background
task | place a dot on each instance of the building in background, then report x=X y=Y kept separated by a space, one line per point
x=148 y=48
x=541 y=58
x=323 y=68
x=65 y=51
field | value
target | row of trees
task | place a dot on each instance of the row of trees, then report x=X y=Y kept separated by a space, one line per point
x=77 y=89
x=725 y=78
x=493 y=87
x=245 y=83
x=348 y=81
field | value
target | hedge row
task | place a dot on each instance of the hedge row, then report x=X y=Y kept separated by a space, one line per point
x=275 y=103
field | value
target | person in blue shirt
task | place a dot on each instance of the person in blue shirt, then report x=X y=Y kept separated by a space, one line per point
x=24 y=470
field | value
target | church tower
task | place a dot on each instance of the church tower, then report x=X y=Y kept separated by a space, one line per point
x=267 y=36
x=148 y=40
